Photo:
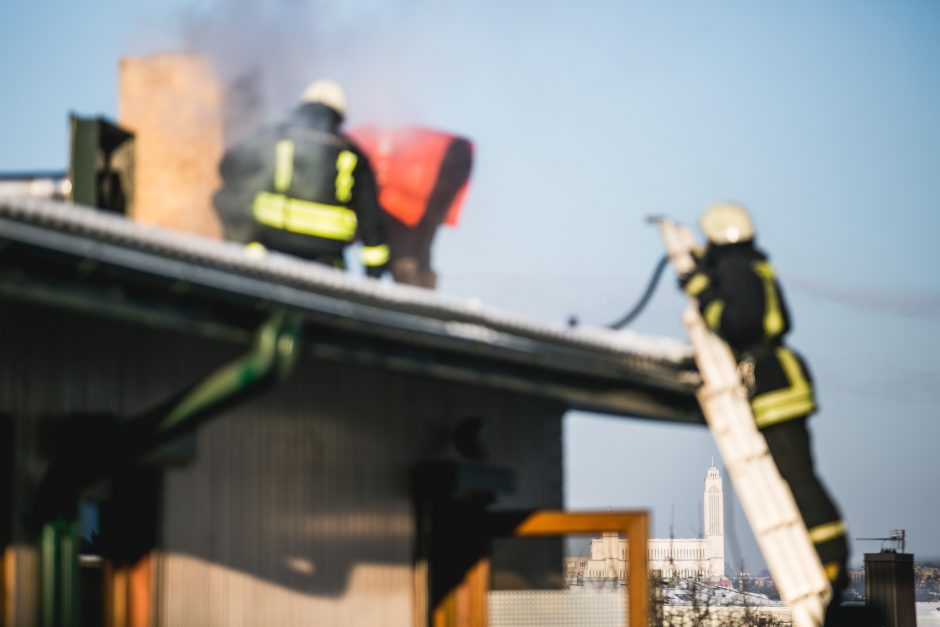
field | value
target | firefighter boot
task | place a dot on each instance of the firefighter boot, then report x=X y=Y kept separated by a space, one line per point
x=405 y=270
x=428 y=279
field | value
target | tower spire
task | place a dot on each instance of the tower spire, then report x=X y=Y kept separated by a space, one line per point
x=714 y=521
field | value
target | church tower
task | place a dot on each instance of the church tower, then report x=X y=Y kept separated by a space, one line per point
x=714 y=522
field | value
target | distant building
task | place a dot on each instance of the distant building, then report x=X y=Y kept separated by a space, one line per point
x=698 y=558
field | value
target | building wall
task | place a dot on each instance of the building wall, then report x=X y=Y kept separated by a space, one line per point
x=55 y=364
x=682 y=557
x=686 y=557
x=296 y=509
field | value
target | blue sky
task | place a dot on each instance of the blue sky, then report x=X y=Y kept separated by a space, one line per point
x=821 y=117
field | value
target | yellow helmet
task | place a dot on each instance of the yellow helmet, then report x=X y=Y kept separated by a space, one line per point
x=328 y=93
x=727 y=223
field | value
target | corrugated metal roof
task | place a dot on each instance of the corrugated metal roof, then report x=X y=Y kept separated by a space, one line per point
x=46 y=184
x=111 y=259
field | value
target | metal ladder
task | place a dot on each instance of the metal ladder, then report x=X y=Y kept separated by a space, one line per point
x=765 y=496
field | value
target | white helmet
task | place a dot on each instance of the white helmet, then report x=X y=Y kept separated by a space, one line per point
x=727 y=223
x=328 y=93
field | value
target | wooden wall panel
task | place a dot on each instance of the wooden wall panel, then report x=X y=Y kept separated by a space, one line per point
x=54 y=364
x=297 y=509
x=303 y=496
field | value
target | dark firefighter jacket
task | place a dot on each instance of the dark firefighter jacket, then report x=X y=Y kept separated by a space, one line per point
x=741 y=300
x=302 y=188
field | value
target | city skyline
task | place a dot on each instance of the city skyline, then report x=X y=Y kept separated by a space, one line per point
x=700 y=557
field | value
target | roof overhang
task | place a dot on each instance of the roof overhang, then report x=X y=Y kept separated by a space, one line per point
x=79 y=259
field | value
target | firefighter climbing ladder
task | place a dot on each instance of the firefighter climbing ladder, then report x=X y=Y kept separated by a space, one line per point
x=765 y=497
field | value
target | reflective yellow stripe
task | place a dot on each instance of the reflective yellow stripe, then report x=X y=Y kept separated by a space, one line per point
x=269 y=209
x=283 y=164
x=828 y=531
x=375 y=255
x=793 y=401
x=256 y=250
x=768 y=400
x=345 y=164
x=782 y=413
x=791 y=367
x=696 y=284
x=713 y=314
x=832 y=570
x=301 y=216
x=773 y=317
x=321 y=220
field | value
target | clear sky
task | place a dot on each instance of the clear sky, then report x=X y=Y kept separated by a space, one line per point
x=821 y=117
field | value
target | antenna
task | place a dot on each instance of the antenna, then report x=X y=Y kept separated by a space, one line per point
x=898 y=536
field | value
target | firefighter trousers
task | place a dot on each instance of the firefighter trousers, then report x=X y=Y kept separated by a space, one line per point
x=789 y=444
x=411 y=245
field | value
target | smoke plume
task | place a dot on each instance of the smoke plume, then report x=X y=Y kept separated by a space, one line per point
x=266 y=53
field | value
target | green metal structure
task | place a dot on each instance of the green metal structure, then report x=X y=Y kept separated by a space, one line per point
x=101 y=164
x=270 y=359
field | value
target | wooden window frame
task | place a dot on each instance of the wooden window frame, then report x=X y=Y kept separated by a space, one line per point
x=466 y=605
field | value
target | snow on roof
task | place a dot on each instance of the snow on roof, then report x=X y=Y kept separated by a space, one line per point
x=467 y=318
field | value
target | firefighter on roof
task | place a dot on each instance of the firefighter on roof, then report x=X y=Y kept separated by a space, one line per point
x=303 y=188
x=741 y=300
x=423 y=175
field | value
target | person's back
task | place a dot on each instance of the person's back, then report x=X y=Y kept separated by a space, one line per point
x=747 y=320
x=303 y=188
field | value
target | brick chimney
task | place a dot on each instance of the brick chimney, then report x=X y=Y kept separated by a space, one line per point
x=173 y=105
